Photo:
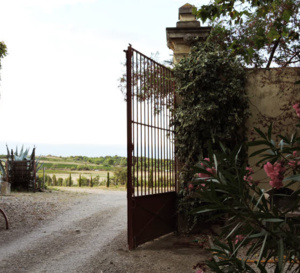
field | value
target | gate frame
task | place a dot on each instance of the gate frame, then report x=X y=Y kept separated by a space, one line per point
x=167 y=200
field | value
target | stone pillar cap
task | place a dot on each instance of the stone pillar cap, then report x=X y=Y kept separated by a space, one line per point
x=185 y=9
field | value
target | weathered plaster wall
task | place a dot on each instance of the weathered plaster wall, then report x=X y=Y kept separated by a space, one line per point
x=272 y=93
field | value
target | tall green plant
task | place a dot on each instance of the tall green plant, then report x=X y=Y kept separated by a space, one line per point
x=54 y=180
x=254 y=221
x=70 y=182
x=79 y=181
x=108 y=180
x=91 y=182
x=59 y=181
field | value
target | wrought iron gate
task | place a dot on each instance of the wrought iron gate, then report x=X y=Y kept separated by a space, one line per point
x=151 y=189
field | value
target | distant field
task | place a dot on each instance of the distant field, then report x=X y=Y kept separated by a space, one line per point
x=87 y=167
x=75 y=174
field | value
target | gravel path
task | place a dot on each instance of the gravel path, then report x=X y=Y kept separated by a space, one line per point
x=61 y=245
x=82 y=232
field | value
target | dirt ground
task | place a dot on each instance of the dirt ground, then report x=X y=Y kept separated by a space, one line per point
x=71 y=231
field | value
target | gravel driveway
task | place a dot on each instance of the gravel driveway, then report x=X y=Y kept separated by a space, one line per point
x=82 y=232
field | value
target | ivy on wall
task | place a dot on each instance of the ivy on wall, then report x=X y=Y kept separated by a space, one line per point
x=213 y=106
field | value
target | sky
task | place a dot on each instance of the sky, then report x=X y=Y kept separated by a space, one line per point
x=59 y=81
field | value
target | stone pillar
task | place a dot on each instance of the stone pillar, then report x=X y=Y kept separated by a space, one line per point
x=180 y=38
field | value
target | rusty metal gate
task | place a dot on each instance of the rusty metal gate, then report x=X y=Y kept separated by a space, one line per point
x=152 y=182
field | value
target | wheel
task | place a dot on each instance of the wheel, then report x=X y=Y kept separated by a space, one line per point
x=5 y=217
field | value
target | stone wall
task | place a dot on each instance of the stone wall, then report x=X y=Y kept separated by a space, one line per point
x=272 y=93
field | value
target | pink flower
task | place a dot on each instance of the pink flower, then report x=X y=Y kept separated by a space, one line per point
x=206 y=159
x=203 y=175
x=276 y=183
x=191 y=186
x=210 y=170
x=292 y=163
x=275 y=172
x=200 y=187
x=248 y=178
x=238 y=238
x=250 y=170
x=294 y=153
x=199 y=271
x=297 y=108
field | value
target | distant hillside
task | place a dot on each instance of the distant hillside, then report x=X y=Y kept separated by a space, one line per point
x=80 y=163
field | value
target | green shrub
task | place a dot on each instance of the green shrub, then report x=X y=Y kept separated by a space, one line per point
x=120 y=175
x=83 y=168
x=48 y=180
x=84 y=181
x=59 y=181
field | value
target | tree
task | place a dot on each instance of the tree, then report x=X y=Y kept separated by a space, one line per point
x=54 y=180
x=111 y=161
x=261 y=32
x=3 y=51
x=108 y=181
x=120 y=175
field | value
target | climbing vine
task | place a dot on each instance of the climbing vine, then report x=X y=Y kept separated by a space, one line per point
x=213 y=106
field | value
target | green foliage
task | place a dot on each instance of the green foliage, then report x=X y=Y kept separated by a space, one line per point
x=96 y=180
x=213 y=105
x=150 y=179
x=271 y=152
x=82 y=168
x=253 y=222
x=259 y=32
x=48 y=180
x=59 y=181
x=84 y=163
x=79 y=181
x=3 y=51
x=83 y=181
x=68 y=182
x=120 y=175
x=225 y=189
x=54 y=180
x=110 y=162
